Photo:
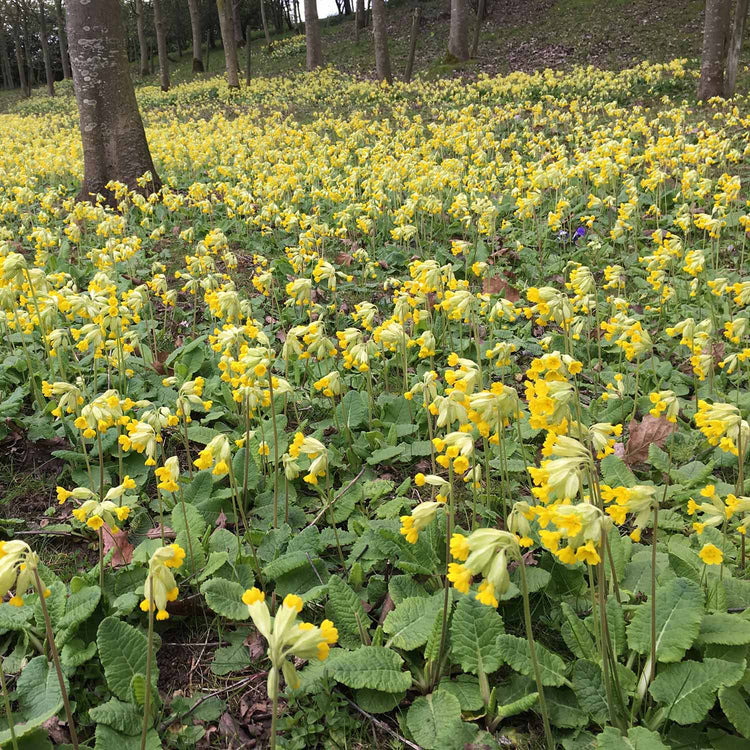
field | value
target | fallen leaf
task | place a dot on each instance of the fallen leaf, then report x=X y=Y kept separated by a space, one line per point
x=498 y=285
x=344 y=259
x=255 y=645
x=642 y=434
x=56 y=731
x=221 y=520
x=388 y=605
x=155 y=533
x=123 y=549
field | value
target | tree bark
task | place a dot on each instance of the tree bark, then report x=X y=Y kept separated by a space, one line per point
x=380 y=32
x=62 y=39
x=114 y=141
x=477 y=28
x=160 y=25
x=412 y=43
x=265 y=22
x=713 y=56
x=249 y=71
x=24 y=83
x=312 y=35
x=458 y=40
x=30 y=74
x=735 y=47
x=195 y=28
x=45 y=50
x=361 y=17
x=237 y=23
x=228 y=40
x=140 y=26
x=3 y=60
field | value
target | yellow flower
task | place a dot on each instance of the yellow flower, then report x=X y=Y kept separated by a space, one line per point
x=711 y=555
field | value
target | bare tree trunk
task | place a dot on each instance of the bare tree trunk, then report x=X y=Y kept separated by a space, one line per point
x=713 y=57
x=30 y=74
x=208 y=49
x=412 y=43
x=228 y=40
x=142 y=44
x=458 y=40
x=380 y=32
x=237 y=23
x=195 y=27
x=114 y=142
x=477 y=28
x=5 y=62
x=24 y=82
x=62 y=38
x=360 y=20
x=312 y=35
x=249 y=71
x=265 y=22
x=160 y=25
x=735 y=47
x=45 y=50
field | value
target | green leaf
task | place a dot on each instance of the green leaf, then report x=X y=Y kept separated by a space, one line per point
x=80 y=606
x=122 y=650
x=410 y=624
x=725 y=629
x=679 y=611
x=14 y=618
x=374 y=667
x=286 y=564
x=474 y=632
x=417 y=559
x=638 y=738
x=385 y=454
x=124 y=717
x=38 y=691
x=193 y=531
x=588 y=686
x=108 y=738
x=658 y=458
x=687 y=690
x=515 y=652
x=376 y=701
x=563 y=708
x=401 y=587
x=576 y=635
x=434 y=720
x=353 y=409
x=615 y=472
x=225 y=598
x=347 y=608
x=638 y=571
x=233 y=657
x=735 y=707
x=524 y=703
x=75 y=652
x=466 y=689
x=616 y=625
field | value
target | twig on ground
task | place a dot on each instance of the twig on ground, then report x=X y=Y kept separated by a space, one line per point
x=326 y=507
x=382 y=725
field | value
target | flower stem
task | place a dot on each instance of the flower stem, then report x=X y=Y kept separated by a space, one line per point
x=532 y=653
x=56 y=659
x=275 y=707
x=11 y=723
x=149 y=659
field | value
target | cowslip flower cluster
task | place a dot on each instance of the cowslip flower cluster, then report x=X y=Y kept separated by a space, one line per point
x=18 y=564
x=287 y=637
x=160 y=586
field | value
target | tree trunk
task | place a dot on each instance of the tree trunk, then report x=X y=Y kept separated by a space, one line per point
x=30 y=74
x=237 y=23
x=412 y=43
x=265 y=22
x=195 y=27
x=458 y=40
x=228 y=40
x=62 y=39
x=347 y=7
x=45 y=50
x=477 y=28
x=312 y=35
x=5 y=63
x=715 y=30
x=114 y=142
x=380 y=32
x=160 y=25
x=142 y=44
x=361 y=18
x=735 y=47
x=24 y=83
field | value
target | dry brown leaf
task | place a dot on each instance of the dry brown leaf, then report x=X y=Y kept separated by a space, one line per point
x=123 y=549
x=221 y=520
x=642 y=434
x=344 y=259
x=57 y=731
x=155 y=533
x=498 y=285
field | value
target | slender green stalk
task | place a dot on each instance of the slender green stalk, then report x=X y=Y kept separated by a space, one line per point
x=149 y=660
x=652 y=672
x=275 y=707
x=56 y=659
x=447 y=585
x=276 y=453
x=532 y=652
x=6 y=699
